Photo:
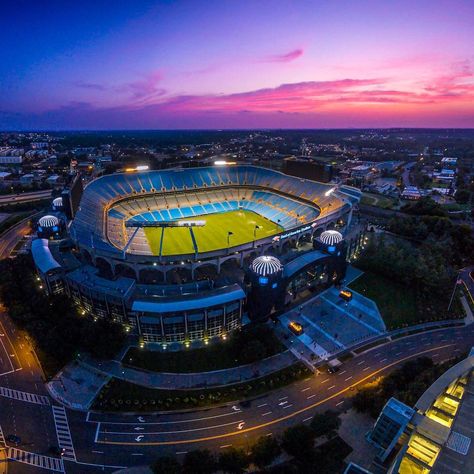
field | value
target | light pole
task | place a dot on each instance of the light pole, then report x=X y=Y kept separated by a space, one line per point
x=229 y=233
x=255 y=231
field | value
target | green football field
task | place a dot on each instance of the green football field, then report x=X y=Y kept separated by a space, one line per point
x=213 y=235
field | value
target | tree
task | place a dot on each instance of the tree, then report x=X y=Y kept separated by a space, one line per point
x=265 y=451
x=298 y=441
x=252 y=352
x=233 y=461
x=166 y=465
x=199 y=461
x=462 y=196
x=325 y=424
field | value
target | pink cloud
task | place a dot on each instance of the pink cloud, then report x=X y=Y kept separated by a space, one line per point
x=283 y=58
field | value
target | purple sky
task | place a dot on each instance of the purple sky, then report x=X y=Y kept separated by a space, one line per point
x=236 y=64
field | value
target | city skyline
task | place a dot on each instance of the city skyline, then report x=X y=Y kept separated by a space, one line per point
x=170 y=65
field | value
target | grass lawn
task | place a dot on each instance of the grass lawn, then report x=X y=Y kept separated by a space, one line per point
x=396 y=303
x=216 y=356
x=118 y=395
x=377 y=200
x=213 y=235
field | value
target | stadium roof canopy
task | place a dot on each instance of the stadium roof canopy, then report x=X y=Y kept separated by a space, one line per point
x=190 y=302
x=42 y=256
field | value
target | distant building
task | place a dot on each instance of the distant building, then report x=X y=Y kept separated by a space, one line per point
x=27 y=179
x=411 y=193
x=11 y=160
x=308 y=168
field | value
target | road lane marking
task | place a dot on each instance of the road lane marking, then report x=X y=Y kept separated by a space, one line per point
x=262 y=405
x=343 y=372
x=311 y=396
x=331 y=387
x=366 y=368
x=280 y=399
x=307 y=419
x=128 y=433
x=324 y=381
x=24 y=396
x=267 y=413
x=305 y=389
x=348 y=378
x=98 y=452
x=63 y=433
x=340 y=403
x=181 y=452
x=225 y=446
x=361 y=362
x=174 y=422
x=384 y=360
x=285 y=417
x=287 y=406
x=46 y=462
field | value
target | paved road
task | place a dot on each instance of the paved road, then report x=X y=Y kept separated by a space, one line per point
x=24 y=197
x=12 y=236
x=134 y=439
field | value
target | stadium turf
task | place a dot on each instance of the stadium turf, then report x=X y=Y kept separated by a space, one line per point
x=213 y=235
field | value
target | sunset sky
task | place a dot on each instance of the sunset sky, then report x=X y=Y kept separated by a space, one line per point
x=236 y=64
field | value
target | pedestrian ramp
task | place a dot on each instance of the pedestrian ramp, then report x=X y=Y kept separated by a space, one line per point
x=37 y=460
x=63 y=433
x=24 y=396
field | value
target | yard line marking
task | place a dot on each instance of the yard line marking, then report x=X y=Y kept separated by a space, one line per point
x=348 y=378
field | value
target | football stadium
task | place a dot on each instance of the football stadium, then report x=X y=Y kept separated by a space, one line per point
x=169 y=252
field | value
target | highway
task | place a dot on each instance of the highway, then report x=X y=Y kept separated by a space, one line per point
x=24 y=197
x=12 y=236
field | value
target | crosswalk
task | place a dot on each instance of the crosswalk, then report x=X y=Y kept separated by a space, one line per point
x=38 y=460
x=24 y=396
x=2 y=439
x=63 y=433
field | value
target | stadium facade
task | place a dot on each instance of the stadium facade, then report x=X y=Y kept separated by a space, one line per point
x=140 y=248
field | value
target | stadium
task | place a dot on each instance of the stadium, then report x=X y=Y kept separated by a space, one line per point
x=166 y=252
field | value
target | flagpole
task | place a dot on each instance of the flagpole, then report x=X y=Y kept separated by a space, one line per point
x=454 y=291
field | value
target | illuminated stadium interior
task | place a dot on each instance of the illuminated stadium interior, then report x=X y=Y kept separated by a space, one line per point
x=238 y=206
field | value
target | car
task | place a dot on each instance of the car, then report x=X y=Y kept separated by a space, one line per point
x=56 y=451
x=295 y=328
x=333 y=370
x=16 y=440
